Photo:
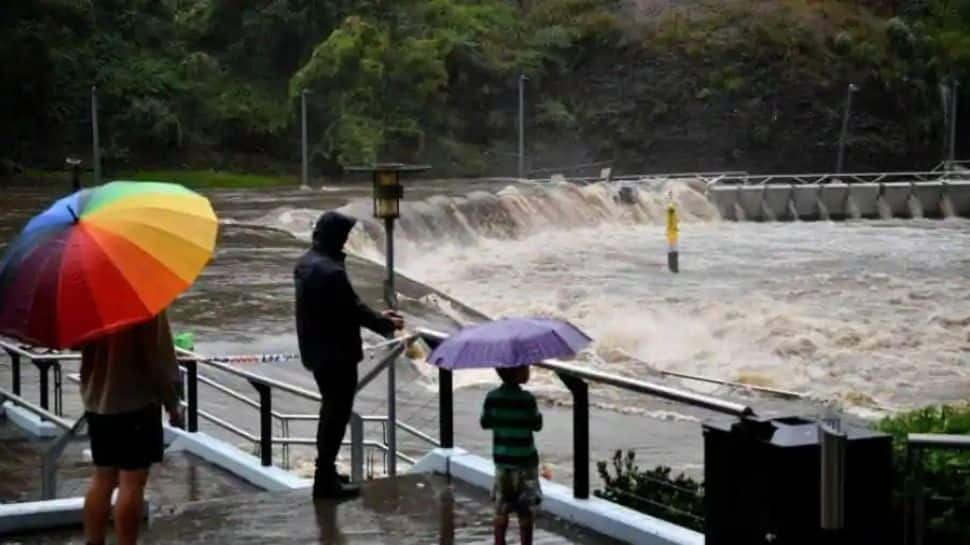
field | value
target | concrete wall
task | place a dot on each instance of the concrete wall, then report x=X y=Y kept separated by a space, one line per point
x=724 y=197
x=959 y=194
x=930 y=194
x=750 y=199
x=776 y=201
x=896 y=196
x=806 y=198
x=865 y=197
x=835 y=197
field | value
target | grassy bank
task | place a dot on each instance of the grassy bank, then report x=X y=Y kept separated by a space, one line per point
x=195 y=179
x=205 y=179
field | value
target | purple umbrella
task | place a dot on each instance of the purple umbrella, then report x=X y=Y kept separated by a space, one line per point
x=511 y=342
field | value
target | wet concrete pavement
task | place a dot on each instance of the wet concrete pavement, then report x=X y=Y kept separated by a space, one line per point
x=180 y=478
x=409 y=510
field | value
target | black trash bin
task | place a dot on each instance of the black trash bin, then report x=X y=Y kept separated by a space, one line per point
x=762 y=483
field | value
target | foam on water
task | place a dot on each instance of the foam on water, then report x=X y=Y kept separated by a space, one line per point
x=870 y=313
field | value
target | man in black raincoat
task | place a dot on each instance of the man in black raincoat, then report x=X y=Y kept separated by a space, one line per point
x=329 y=316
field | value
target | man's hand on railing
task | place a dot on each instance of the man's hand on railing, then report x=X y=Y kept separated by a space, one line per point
x=395 y=318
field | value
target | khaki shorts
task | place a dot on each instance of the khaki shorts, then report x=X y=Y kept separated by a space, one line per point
x=516 y=490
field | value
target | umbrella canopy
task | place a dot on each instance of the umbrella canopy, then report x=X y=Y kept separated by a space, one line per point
x=101 y=259
x=510 y=342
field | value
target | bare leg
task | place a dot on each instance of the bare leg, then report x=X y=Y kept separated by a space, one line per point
x=526 y=521
x=97 y=504
x=129 y=505
x=501 y=525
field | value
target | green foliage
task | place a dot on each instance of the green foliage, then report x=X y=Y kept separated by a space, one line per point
x=432 y=80
x=678 y=499
x=556 y=113
x=945 y=473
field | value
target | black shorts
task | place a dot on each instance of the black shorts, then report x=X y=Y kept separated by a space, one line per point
x=128 y=441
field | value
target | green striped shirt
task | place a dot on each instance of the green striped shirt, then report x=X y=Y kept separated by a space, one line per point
x=512 y=414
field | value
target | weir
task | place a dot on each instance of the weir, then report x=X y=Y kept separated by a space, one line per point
x=842 y=196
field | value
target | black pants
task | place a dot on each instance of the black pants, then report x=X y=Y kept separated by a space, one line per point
x=337 y=387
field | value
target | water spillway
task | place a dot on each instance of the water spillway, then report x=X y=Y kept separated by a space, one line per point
x=838 y=200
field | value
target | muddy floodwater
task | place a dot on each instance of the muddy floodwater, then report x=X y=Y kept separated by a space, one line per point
x=872 y=314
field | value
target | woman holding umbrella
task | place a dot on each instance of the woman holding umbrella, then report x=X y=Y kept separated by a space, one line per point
x=96 y=271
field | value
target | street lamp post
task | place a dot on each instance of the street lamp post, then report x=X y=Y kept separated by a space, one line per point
x=75 y=166
x=840 y=161
x=388 y=192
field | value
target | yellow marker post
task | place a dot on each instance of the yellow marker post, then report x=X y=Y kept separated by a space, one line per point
x=672 y=233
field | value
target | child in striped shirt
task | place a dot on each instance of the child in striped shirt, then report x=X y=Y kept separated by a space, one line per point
x=513 y=415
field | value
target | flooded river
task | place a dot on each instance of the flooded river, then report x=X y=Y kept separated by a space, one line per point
x=873 y=314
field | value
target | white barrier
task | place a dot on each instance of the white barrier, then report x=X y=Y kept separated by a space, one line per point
x=930 y=196
x=777 y=199
x=896 y=197
x=29 y=422
x=959 y=194
x=805 y=197
x=835 y=197
x=865 y=198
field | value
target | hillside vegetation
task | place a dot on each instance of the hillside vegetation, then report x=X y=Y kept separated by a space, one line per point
x=675 y=85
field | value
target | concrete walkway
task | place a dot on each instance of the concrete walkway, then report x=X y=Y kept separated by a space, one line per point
x=408 y=510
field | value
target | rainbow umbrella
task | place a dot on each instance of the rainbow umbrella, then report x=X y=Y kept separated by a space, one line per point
x=101 y=259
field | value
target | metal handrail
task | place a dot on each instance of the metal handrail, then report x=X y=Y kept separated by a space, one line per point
x=39 y=356
x=828 y=177
x=938 y=440
x=643 y=387
x=576 y=380
x=36 y=410
x=189 y=360
x=639 y=386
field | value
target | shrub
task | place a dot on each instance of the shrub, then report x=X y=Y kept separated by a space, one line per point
x=678 y=499
x=945 y=474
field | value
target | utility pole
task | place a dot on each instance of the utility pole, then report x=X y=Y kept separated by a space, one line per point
x=954 y=91
x=305 y=178
x=840 y=161
x=95 y=139
x=522 y=80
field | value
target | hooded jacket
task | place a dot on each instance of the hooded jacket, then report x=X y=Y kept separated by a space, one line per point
x=329 y=314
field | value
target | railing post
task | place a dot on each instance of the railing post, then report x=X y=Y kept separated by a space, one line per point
x=909 y=489
x=446 y=416
x=356 y=447
x=43 y=366
x=580 y=392
x=919 y=501
x=58 y=389
x=265 y=422
x=391 y=465
x=14 y=371
x=192 y=395
x=832 y=445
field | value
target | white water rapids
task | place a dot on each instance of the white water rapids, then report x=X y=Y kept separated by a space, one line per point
x=869 y=313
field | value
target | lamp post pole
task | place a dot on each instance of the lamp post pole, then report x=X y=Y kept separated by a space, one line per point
x=840 y=161
x=387 y=202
